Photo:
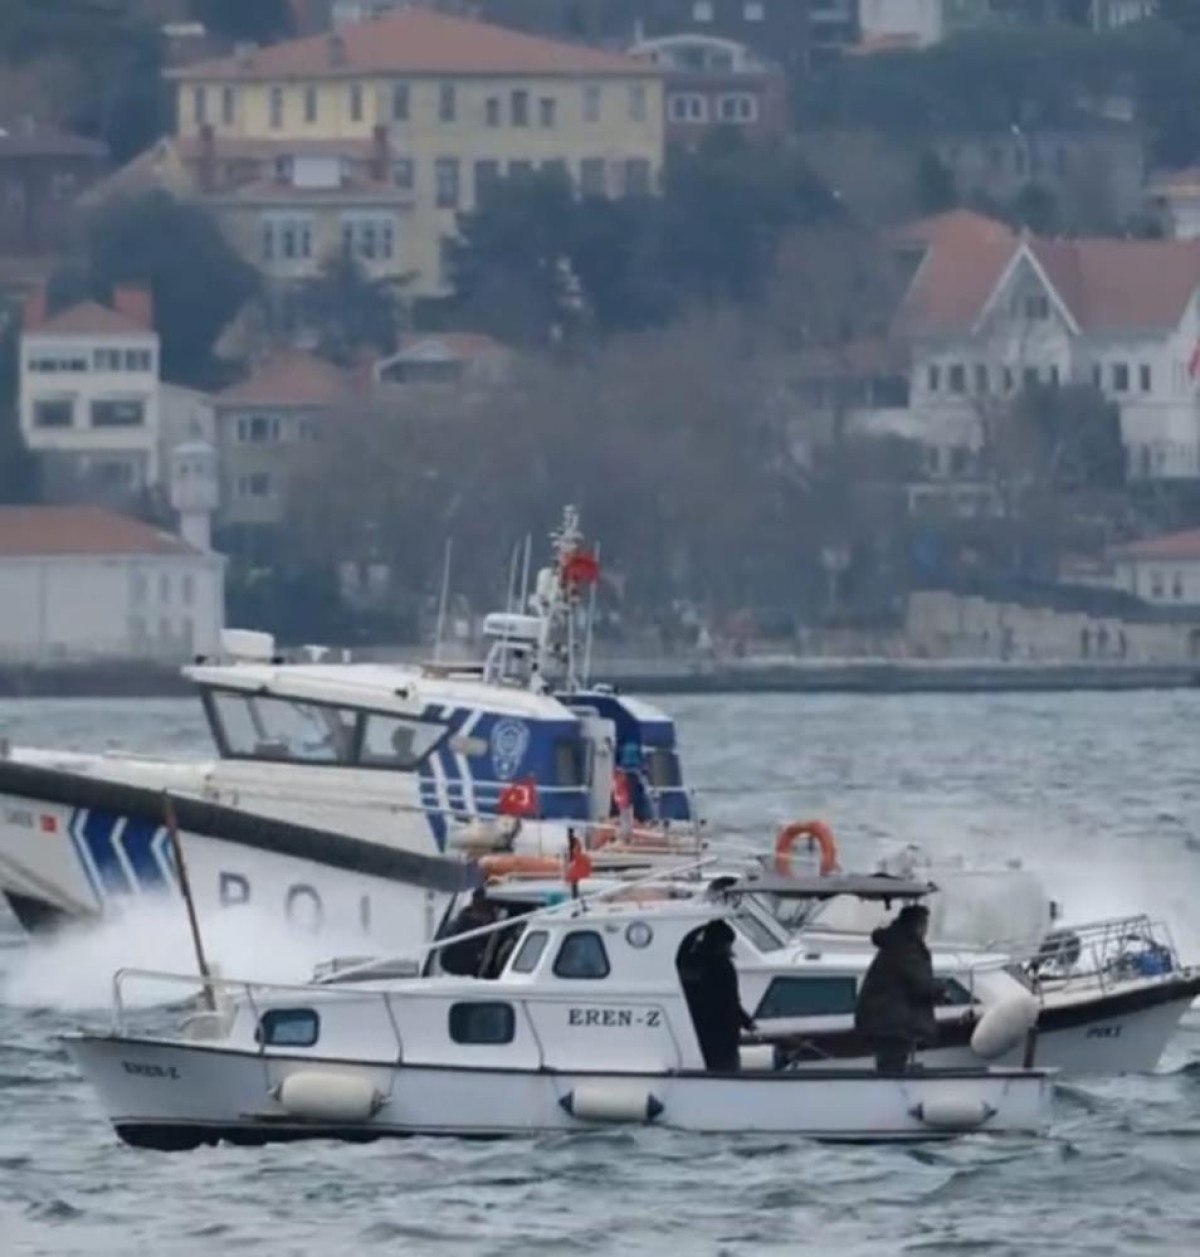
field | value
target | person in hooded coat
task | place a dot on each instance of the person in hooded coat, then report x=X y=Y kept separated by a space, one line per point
x=896 y=1002
x=711 y=989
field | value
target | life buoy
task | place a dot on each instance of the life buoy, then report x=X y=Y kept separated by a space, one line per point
x=816 y=832
x=520 y=865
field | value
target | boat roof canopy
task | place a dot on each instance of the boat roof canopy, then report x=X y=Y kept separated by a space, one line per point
x=871 y=886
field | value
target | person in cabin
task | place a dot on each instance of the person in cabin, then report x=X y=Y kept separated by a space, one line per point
x=465 y=958
x=895 y=1004
x=711 y=989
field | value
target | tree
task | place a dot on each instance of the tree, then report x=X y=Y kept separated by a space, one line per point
x=349 y=311
x=257 y=21
x=935 y=184
x=197 y=281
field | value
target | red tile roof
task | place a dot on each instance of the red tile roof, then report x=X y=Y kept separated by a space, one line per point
x=1183 y=546
x=288 y=378
x=418 y=41
x=90 y=318
x=47 y=531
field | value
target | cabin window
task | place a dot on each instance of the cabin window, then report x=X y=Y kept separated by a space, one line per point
x=479 y=1022
x=807 y=997
x=530 y=952
x=757 y=932
x=952 y=994
x=289 y=1027
x=389 y=742
x=570 y=762
x=581 y=955
x=662 y=768
x=274 y=728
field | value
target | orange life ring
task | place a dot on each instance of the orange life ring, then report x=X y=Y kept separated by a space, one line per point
x=521 y=865
x=816 y=832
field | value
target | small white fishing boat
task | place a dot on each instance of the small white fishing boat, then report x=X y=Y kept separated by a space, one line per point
x=1106 y=996
x=586 y=1022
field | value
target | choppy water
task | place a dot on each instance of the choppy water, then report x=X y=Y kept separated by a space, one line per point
x=1101 y=793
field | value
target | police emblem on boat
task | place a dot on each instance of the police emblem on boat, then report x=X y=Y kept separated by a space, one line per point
x=509 y=742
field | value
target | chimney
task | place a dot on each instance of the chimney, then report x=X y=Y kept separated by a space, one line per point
x=207 y=164
x=335 y=48
x=35 y=308
x=135 y=303
x=381 y=154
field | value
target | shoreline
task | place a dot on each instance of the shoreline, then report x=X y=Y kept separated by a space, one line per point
x=765 y=676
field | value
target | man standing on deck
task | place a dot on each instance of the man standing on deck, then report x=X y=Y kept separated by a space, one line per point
x=895 y=1004
x=464 y=959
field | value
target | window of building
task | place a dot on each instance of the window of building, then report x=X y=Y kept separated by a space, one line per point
x=637 y=176
x=227 y=106
x=637 y=102
x=934 y=377
x=737 y=107
x=276 y=108
x=400 y=102
x=956 y=377
x=445 y=171
x=547 y=111
x=807 y=997
x=447 y=102
x=1007 y=373
x=139 y=360
x=519 y=104
x=687 y=107
x=1177 y=585
x=1120 y=377
x=581 y=955
x=489 y=1023
x=310 y=104
x=107 y=359
x=287 y=237
x=118 y=414
x=200 y=105
x=702 y=11
x=591 y=102
x=289 y=1027
x=258 y=429
x=491 y=111
x=981 y=377
x=369 y=237
x=530 y=951
x=1156 y=583
x=591 y=177
x=188 y=590
x=960 y=459
x=1144 y=379
x=1053 y=374
x=257 y=485
x=1029 y=377
x=1037 y=306
x=487 y=175
x=164 y=587
x=394 y=742
x=752 y=11
x=53 y=412
x=404 y=173
x=356 y=102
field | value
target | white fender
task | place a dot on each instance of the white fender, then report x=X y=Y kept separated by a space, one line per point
x=953 y=1112
x=757 y=1057
x=1003 y=1026
x=326 y=1097
x=612 y=1102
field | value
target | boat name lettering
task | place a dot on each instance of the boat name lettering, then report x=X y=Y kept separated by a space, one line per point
x=614 y=1017
x=19 y=817
x=1104 y=1032
x=302 y=902
x=150 y=1071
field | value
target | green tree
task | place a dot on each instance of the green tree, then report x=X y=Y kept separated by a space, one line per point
x=349 y=311
x=935 y=184
x=197 y=281
x=260 y=21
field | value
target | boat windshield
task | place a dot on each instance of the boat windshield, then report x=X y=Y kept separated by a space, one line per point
x=760 y=932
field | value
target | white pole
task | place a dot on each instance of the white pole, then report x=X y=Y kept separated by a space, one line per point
x=525 y=575
x=591 y=621
x=512 y=579
x=442 y=600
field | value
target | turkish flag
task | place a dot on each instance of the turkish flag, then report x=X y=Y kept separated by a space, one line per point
x=519 y=799
x=579 y=867
x=620 y=792
x=581 y=567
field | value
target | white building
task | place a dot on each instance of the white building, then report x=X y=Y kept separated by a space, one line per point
x=89 y=394
x=990 y=313
x=80 y=583
x=1163 y=571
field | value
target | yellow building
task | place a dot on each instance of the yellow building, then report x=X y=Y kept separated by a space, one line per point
x=375 y=137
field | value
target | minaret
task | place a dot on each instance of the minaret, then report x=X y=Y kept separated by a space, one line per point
x=195 y=491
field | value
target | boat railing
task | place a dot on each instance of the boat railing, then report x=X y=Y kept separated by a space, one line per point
x=1102 y=953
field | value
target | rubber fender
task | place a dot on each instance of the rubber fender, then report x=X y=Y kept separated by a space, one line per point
x=1004 y=1026
x=953 y=1112
x=327 y=1097
x=612 y=1102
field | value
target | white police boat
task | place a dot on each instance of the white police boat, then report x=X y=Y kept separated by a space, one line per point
x=583 y=1021
x=344 y=796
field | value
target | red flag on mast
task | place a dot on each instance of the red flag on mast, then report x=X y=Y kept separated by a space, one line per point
x=580 y=567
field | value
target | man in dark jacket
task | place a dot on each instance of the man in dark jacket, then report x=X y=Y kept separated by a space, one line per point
x=465 y=958
x=895 y=1005
x=711 y=988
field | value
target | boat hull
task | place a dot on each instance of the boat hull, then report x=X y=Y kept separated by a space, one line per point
x=174 y=1095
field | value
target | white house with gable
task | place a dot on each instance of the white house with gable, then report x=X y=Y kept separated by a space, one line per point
x=989 y=314
x=89 y=394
